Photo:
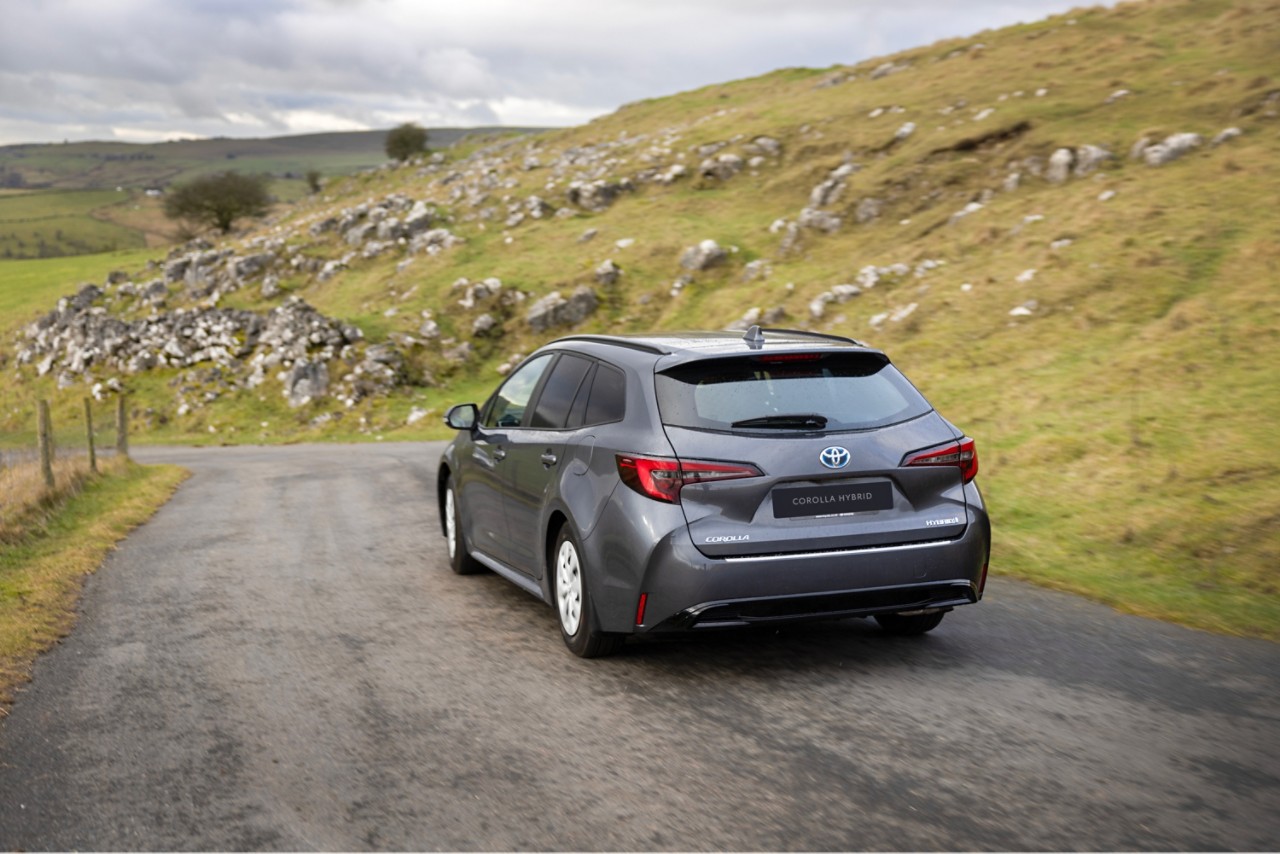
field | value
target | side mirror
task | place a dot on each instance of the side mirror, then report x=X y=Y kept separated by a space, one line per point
x=462 y=417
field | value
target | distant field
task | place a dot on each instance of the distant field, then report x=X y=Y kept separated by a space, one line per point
x=107 y=165
x=53 y=224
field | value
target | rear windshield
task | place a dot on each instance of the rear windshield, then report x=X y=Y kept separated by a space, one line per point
x=847 y=391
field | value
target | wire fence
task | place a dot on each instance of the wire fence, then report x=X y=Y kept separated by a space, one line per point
x=50 y=454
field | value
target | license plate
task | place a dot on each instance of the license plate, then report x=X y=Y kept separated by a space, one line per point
x=832 y=500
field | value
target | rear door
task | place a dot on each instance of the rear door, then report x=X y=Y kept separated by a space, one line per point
x=829 y=433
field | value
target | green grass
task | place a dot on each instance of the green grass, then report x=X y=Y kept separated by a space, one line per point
x=29 y=288
x=52 y=224
x=42 y=573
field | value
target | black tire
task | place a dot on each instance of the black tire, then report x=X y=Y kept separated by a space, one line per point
x=571 y=597
x=909 y=624
x=460 y=559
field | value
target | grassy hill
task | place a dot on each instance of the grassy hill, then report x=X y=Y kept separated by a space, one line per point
x=1109 y=338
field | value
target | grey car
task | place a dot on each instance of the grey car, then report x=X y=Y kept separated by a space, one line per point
x=691 y=481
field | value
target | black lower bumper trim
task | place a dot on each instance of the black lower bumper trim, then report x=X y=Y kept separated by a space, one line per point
x=824 y=606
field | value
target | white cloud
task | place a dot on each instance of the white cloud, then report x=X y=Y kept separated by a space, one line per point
x=82 y=67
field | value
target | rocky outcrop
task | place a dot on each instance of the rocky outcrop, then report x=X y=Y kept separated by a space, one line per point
x=1081 y=161
x=1059 y=169
x=607 y=273
x=554 y=310
x=79 y=339
x=706 y=254
x=1170 y=148
x=596 y=195
x=722 y=167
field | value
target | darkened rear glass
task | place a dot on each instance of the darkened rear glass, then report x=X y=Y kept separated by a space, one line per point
x=552 y=409
x=851 y=391
x=608 y=396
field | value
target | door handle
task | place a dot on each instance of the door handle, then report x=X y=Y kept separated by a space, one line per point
x=548 y=459
x=499 y=454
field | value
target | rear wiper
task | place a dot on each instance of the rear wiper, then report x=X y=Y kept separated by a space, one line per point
x=798 y=421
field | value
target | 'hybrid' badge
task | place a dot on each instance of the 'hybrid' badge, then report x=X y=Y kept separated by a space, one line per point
x=834 y=457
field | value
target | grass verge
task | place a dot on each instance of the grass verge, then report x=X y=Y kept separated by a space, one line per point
x=41 y=573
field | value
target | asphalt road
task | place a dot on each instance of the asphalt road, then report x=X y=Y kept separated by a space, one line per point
x=281 y=659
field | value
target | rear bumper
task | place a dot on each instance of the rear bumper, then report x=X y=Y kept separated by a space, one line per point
x=817 y=585
x=685 y=589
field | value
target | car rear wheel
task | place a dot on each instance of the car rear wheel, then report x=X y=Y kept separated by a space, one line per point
x=460 y=560
x=573 y=602
x=909 y=624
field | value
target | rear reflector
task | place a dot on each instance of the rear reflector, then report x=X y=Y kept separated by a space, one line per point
x=661 y=479
x=644 y=600
x=963 y=455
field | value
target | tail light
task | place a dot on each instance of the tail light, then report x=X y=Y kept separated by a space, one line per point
x=963 y=455
x=661 y=479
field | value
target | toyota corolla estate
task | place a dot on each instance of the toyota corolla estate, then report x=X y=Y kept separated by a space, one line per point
x=689 y=481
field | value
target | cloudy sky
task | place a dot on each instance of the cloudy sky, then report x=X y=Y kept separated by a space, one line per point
x=148 y=70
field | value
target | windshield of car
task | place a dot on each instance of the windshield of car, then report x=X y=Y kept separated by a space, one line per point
x=788 y=392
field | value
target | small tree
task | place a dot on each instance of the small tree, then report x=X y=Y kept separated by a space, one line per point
x=405 y=141
x=218 y=200
x=315 y=180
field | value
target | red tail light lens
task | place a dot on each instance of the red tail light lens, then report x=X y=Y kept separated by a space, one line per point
x=661 y=479
x=963 y=455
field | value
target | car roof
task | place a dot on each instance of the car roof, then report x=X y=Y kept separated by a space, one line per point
x=695 y=344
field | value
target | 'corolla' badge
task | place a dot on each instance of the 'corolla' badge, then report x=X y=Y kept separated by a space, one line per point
x=834 y=457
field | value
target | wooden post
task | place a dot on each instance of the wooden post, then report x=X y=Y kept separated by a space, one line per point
x=88 y=431
x=122 y=428
x=45 y=429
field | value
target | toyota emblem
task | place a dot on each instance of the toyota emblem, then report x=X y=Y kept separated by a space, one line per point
x=834 y=457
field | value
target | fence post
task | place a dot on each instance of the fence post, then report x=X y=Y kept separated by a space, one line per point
x=122 y=428
x=88 y=429
x=45 y=429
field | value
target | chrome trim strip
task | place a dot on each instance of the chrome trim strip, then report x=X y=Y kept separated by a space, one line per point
x=838 y=552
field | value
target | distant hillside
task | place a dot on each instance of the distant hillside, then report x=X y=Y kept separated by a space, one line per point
x=107 y=165
x=1064 y=232
x=85 y=197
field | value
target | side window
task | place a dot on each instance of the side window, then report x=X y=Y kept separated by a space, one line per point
x=578 y=412
x=552 y=409
x=608 y=401
x=509 y=403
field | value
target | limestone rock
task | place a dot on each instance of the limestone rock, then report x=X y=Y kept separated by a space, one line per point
x=1171 y=148
x=1226 y=134
x=608 y=272
x=706 y=254
x=555 y=310
x=1060 y=163
x=1089 y=158
x=819 y=219
x=867 y=210
x=306 y=381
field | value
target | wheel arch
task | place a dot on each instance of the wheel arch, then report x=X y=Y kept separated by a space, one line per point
x=555 y=523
